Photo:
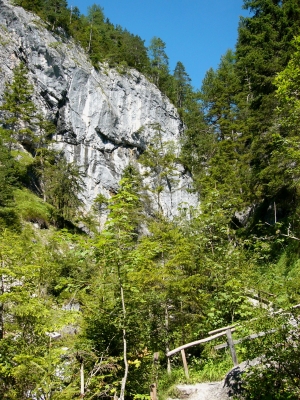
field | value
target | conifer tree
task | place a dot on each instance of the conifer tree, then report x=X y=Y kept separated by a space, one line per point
x=160 y=160
x=7 y=176
x=159 y=61
x=263 y=49
x=182 y=84
x=218 y=95
x=115 y=254
x=18 y=109
x=31 y=5
x=57 y=13
x=96 y=25
x=277 y=175
x=63 y=183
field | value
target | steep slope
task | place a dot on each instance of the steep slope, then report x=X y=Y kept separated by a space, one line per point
x=105 y=119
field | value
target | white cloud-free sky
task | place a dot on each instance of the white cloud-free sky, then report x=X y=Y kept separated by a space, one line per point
x=196 y=32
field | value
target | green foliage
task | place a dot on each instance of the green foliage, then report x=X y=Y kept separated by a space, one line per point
x=159 y=62
x=218 y=96
x=31 y=5
x=115 y=256
x=18 y=109
x=7 y=176
x=56 y=13
x=30 y=208
x=276 y=376
x=160 y=160
x=62 y=184
x=182 y=86
x=26 y=315
x=145 y=284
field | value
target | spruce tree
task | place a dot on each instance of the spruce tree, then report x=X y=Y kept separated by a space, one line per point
x=57 y=13
x=62 y=186
x=7 y=176
x=182 y=84
x=263 y=49
x=218 y=92
x=18 y=109
x=159 y=61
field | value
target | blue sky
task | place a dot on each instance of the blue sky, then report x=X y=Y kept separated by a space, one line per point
x=196 y=32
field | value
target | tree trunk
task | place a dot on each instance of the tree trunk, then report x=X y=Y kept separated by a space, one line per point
x=90 y=40
x=81 y=380
x=167 y=338
x=2 y=308
x=124 y=380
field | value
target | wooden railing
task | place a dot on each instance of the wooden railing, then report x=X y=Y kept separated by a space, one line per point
x=215 y=334
x=227 y=330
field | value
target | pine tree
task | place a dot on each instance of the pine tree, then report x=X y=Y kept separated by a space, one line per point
x=57 y=13
x=159 y=61
x=160 y=160
x=18 y=109
x=182 y=84
x=263 y=49
x=115 y=252
x=63 y=183
x=31 y=5
x=95 y=18
x=218 y=92
x=277 y=173
x=7 y=176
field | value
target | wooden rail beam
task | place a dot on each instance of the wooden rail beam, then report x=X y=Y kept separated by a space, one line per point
x=222 y=329
x=186 y=346
x=249 y=337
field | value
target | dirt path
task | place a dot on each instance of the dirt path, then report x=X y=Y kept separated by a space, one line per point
x=203 y=391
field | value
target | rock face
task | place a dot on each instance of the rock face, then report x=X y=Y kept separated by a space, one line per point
x=105 y=118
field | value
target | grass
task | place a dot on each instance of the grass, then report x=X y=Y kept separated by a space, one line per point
x=200 y=370
x=23 y=157
x=211 y=371
x=31 y=208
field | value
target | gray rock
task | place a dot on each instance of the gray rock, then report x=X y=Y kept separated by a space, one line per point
x=203 y=391
x=105 y=119
x=229 y=388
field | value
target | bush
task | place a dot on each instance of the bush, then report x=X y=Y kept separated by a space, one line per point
x=277 y=377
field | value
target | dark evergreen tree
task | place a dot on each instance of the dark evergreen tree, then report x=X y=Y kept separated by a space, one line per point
x=95 y=18
x=134 y=51
x=63 y=183
x=218 y=92
x=182 y=86
x=159 y=61
x=263 y=49
x=7 y=176
x=57 y=13
x=31 y=5
x=18 y=109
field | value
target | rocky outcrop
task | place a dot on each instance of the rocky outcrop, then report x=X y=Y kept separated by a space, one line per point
x=229 y=388
x=105 y=118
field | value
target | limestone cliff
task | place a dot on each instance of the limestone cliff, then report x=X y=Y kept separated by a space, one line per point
x=105 y=119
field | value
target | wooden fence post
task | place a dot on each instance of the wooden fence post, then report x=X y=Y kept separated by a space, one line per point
x=153 y=393
x=232 y=348
x=185 y=366
x=169 y=366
